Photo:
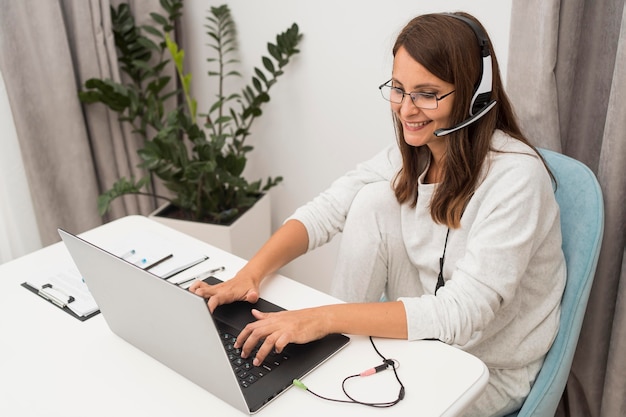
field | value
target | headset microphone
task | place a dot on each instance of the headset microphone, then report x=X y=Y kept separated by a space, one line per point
x=466 y=122
x=481 y=103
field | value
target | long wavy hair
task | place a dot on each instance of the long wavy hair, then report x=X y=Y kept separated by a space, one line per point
x=448 y=48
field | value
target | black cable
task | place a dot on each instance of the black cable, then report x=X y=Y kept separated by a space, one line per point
x=440 y=280
x=387 y=363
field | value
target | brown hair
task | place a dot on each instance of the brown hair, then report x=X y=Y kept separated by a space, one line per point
x=448 y=48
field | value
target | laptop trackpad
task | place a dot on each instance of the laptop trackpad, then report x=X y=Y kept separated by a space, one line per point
x=238 y=314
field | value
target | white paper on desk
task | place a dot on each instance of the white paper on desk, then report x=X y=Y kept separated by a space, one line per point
x=142 y=252
x=151 y=247
x=69 y=282
x=180 y=261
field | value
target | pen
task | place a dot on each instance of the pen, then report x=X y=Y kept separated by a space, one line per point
x=141 y=261
x=212 y=271
x=203 y=275
x=128 y=254
x=163 y=259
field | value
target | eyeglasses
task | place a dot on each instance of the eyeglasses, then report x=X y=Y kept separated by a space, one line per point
x=427 y=101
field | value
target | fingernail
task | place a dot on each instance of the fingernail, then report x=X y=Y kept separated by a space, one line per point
x=256 y=362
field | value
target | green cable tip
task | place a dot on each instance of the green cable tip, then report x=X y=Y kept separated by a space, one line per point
x=299 y=384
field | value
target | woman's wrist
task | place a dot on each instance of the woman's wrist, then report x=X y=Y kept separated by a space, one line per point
x=251 y=273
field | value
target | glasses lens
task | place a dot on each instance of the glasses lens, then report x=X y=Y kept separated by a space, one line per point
x=395 y=95
x=387 y=93
x=424 y=101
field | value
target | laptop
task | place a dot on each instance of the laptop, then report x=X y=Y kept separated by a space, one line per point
x=175 y=327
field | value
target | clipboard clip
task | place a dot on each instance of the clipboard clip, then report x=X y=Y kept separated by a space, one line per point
x=55 y=295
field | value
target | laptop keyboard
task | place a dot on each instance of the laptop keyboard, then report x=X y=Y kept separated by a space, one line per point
x=246 y=372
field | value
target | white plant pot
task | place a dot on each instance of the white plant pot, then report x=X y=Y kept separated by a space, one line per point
x=243 y=238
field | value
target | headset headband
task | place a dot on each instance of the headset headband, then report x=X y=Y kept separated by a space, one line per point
x=482 y=90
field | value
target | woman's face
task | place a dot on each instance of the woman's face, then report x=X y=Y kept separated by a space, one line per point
x=418 y=124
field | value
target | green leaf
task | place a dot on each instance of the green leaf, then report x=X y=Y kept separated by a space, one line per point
x=261 y=75
x=148 y=44
x=143 y=65
x=268 y=64
x=223 y=119
x=159 y=19
x=257 y=84
x=153 y=31
x=273 y=50
x=122 y=187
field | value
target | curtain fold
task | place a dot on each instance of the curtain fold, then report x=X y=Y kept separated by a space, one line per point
x=612 y=174
x=567 y=80
x=72 y=153
x=532 y=61
x=114 y=147
x=37 y=68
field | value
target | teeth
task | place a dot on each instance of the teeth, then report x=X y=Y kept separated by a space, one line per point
x=419 y=124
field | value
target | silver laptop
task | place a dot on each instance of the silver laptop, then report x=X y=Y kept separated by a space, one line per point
x=176 y=328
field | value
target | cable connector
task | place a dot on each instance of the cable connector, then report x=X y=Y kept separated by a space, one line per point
x=299 y=384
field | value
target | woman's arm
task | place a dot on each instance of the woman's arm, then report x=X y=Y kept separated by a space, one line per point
x=325 y=215
x=277 y=330
x=312 y=225
x=289 y=242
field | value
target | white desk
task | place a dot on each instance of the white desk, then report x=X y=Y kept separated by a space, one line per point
x=52 y=364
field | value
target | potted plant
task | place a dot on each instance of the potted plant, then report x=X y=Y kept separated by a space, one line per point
x=199 y=158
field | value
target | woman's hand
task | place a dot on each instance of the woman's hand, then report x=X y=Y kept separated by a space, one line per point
x=239 y=288
x=289 y=242
x=277 y=330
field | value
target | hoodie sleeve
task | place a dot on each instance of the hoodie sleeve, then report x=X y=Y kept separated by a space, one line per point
x=325 y=215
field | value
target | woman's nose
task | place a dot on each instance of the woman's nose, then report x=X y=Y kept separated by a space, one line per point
x=407 y=106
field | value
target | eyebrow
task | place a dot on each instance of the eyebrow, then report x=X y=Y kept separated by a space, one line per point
x=418 y=86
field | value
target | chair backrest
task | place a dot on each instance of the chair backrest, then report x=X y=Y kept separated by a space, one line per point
x=582 y=224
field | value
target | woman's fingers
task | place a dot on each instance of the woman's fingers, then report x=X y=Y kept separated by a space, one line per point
x=272 y=332
x=225 y=292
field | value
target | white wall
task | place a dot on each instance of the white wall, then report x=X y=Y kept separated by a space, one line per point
x=325 y=113
x=19 y=234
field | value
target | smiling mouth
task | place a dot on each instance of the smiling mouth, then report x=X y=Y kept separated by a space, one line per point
x=417 y=125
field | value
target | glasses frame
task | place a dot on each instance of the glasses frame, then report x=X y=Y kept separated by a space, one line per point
x=412 y=95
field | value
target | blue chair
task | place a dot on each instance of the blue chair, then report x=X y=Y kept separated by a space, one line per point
x=582 y=222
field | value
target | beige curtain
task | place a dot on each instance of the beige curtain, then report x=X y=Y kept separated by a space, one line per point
x=71 y=152
x=567 y=79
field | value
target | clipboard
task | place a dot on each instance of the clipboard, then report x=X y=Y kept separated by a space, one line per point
x=64 y=287
x=50 y=295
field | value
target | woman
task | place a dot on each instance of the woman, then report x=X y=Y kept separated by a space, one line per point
x=460 y=232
